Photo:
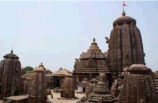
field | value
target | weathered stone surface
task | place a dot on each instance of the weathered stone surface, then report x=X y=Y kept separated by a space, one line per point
x=101 y=92
x=90 y=63
x=58 y=76
x=10 y=71
x=91 y=86
x=156 y=73
x=68 y=87
x=35 y=84
x=125 y=45
x=137 y=86
x=133 y=82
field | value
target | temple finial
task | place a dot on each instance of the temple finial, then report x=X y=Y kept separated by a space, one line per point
x=123 y=5
x=11 y=50
x=93 y=39
x=123 y=13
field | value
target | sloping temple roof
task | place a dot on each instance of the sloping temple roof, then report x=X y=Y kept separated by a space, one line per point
x=91 y=61
x=62 y=72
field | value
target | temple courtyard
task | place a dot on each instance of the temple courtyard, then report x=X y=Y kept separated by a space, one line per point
x=58 y=99
x=118 y=71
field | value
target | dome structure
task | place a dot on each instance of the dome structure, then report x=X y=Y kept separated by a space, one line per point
x=124 y=20
x=138 y=69
x=11 y=55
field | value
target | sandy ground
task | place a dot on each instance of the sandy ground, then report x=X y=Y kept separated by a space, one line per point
x=57 y=99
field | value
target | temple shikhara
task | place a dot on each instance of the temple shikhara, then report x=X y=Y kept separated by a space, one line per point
x=118 y=75
x=125 y=45
x=91 y=63
x=10 y=70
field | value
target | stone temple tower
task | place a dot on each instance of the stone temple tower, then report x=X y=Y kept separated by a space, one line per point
x=125 y=45
x=10 y=69
x=90 y=64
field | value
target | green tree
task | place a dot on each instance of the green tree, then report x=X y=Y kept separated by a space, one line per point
x=28 y=68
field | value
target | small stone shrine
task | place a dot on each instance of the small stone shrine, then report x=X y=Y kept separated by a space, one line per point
x=36 y=85
x=68 y=87
x=101 y=93
x=137 y=86
x=91 y=86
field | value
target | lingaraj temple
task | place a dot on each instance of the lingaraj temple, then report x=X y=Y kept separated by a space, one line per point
x=118 y=75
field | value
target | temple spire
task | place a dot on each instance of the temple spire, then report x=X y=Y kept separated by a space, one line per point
x=93 y=39
x=123 y=13
x=11 y=50
x=123 y=5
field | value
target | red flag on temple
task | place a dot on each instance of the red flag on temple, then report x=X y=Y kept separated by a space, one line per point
x=124 y=3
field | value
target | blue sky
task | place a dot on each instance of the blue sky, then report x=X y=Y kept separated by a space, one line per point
x=56 y=33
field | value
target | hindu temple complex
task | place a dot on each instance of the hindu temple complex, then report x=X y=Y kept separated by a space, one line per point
x=130 y=80
x=118 y=75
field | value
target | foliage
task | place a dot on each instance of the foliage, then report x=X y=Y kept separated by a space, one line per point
x=28 y=68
